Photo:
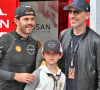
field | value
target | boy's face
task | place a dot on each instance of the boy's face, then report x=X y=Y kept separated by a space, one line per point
x=51 y=57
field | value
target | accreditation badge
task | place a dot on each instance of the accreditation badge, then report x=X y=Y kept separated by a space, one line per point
x=71 y=74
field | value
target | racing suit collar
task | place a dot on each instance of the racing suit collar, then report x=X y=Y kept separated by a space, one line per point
x=19 y=36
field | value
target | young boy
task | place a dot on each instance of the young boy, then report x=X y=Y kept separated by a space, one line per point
x=49 y=76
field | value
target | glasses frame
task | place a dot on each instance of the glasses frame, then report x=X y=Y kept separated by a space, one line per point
x=75 y=12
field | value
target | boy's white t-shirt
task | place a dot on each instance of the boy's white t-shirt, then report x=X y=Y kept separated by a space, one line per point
x=46 y=82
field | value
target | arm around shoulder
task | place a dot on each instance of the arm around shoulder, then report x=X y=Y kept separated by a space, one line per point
x=34 y=84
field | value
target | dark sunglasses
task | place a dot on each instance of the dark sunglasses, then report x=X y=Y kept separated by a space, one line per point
x=75 y=12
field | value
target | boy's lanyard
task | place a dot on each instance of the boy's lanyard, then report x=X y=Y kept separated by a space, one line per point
x=55 y=80
x=71 y=74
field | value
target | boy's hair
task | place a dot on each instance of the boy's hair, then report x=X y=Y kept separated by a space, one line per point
x=52 y=45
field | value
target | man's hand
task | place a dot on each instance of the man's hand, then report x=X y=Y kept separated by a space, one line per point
x=24 y=77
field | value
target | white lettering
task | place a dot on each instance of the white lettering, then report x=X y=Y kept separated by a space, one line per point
x=6 y=24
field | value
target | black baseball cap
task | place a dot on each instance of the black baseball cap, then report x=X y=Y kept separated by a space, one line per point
x=52 y=45
x=22 y=11
x=79 y=4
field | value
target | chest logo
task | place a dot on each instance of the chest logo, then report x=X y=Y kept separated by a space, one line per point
x=18 y=48
x=30 y=49
x=60 y=85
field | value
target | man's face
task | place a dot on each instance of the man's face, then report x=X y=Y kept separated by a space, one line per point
x=78 y=17
x=26 y=24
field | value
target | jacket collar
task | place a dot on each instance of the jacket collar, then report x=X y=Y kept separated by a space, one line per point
x=67 y=37
x=84 y=33
x=44 y=67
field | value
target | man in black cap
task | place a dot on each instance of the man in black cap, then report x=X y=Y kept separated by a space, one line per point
x=81 y=48
x=18 y=51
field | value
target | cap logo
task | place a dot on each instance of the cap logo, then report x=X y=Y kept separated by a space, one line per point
x=51 y=44
x=27 y=6
x=30 y=13
x=86 y=8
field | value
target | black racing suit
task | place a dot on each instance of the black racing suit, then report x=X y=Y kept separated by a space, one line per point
x=17 y=55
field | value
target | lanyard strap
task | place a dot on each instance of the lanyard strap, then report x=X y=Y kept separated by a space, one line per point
x=74 y=50
x=55 y=79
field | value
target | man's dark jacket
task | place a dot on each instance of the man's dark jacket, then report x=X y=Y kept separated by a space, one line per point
x=88 y=58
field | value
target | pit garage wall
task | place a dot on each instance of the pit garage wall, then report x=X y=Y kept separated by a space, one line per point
x=7 y=8
x=97 y=15
x=93 y=16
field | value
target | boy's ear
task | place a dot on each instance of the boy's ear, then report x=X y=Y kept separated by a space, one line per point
x=42 y=54
x=60 y=55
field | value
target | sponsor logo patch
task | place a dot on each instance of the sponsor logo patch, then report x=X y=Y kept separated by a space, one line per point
x=30 y=49
x=18 y=48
